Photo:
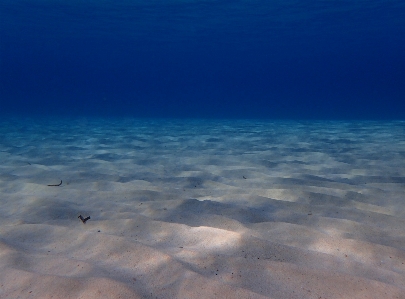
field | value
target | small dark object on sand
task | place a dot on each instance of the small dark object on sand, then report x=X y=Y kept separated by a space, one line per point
x=56 y=184
x=83 y=219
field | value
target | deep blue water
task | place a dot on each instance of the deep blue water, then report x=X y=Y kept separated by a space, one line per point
x=222 y=59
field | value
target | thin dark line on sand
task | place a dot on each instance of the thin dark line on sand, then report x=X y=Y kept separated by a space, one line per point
x=56 y=184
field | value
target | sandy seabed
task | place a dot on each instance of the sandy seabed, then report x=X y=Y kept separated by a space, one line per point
x=201 y=209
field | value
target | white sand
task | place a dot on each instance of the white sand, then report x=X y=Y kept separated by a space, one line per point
x=194 y=209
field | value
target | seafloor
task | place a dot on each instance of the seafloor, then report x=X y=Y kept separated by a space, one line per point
x=201 y=208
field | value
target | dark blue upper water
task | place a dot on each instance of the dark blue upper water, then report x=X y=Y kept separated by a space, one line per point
x=191 y=58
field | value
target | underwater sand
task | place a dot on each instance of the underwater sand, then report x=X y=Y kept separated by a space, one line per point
x=201 y=209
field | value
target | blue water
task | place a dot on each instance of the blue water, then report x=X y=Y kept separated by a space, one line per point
x=206 y=59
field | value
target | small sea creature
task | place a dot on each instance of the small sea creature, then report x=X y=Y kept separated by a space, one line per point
x=83 y=219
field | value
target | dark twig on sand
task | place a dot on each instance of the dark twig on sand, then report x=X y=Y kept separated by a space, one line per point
x=83 y=219
x=56 y=184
